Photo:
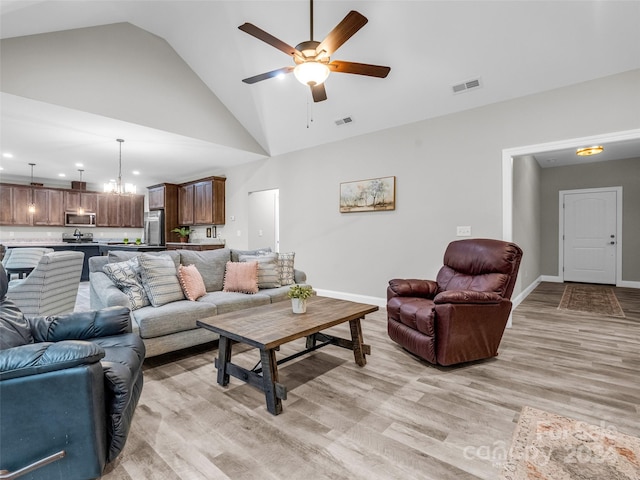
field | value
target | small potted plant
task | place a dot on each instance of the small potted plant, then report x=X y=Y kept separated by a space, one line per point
x=298 y=295
x=183 y=233
x=126 y=241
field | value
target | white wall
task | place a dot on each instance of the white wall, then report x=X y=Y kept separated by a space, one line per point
x=448 y=173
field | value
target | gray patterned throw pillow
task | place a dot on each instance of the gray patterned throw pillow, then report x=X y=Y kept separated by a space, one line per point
x=126 y=276
x=160 y=279
x=268 y=269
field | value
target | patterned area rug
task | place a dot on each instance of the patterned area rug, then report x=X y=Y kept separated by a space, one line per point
x=591 y=299
x=546 y=446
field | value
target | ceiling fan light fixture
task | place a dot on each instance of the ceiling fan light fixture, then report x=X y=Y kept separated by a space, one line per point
x=311 y=73
x=587 y=151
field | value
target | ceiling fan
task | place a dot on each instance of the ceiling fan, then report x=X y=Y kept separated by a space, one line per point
x=312 y=59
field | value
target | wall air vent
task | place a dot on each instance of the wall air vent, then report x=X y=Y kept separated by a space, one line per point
x=466 y=86
x=344 y=121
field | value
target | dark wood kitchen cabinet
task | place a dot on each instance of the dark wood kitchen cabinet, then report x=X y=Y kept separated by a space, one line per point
x=132 y=211
x=49 y=207
x=185 y=204
x=15 y=201
x=202 y=202
x=74 y=200
x=120 y=210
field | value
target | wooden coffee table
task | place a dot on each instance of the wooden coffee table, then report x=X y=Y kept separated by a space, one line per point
x=269 y=326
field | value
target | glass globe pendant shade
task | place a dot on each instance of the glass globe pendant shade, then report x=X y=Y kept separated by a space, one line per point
x=311 y=73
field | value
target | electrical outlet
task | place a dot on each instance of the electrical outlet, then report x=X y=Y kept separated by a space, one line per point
x=259 y=233
x=239 y=233
x=463 y=231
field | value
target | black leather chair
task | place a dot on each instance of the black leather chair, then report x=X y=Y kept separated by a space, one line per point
x=69 y=385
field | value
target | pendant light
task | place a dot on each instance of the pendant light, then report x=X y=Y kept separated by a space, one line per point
x=31 y=208
x=118 y=187
x=80 y=207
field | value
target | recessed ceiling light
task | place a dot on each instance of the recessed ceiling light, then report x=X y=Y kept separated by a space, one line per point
x=7 y=155
x=79 y=165
x=136 y=172
x=586 y=151
x=61 y=175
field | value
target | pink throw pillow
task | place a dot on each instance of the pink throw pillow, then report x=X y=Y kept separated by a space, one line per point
x=191 y=282
x=241 y=277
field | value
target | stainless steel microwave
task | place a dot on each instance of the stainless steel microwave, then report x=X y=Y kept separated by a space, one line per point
x=75 y=219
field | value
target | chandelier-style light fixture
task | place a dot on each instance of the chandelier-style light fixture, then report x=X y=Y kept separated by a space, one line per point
x=117 y=187
x=31 y=208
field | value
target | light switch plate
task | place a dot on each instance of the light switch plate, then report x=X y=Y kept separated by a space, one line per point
x=463 y=231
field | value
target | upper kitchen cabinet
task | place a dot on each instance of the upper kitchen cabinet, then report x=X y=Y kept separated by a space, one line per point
x=185 y=204
x=163 y=196
x=202 y=202
x=15 y=200
x=132 y=211
x=73 y=200
x=108 y=211
x=120 y=210
x=49 y=207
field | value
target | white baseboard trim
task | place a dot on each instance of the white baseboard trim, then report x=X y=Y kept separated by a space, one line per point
x=352 y=297
x=525 y=293
x=551 y=278
x=628 y=284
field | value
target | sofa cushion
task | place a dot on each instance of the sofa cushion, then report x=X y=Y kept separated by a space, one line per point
x=268 y=269
x=276 y=294
x=235 y=254
x=191 y=282
x=160 y=279
x=241 y=277
x=287 y=272
x=226 y=302
x=126 y=276
x=171 y=318
x=211 y=265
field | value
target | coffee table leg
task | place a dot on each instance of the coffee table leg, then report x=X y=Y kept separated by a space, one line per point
x=224 y=357
x=356 y=338
x=270 y=378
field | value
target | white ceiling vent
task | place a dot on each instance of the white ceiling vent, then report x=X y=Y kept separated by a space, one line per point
x=466 y=86
x=344 y=121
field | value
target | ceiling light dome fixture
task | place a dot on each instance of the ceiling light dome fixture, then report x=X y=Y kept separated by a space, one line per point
x=311 y=73
x=587 y=151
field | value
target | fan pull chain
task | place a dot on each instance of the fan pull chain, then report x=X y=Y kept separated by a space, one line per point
x=309 y=113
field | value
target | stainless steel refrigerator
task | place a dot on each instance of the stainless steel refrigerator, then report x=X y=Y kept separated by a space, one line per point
x=154 y=227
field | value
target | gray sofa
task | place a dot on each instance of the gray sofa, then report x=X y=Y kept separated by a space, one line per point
x=172 y=326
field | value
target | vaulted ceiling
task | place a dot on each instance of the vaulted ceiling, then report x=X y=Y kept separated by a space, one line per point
x=513 y=48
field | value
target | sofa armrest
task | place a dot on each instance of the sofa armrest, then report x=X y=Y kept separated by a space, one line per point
x=81 y=325
x=467 y=296
x=299 y=276
x=36 y=358
x=399 y=287
x=103 y=292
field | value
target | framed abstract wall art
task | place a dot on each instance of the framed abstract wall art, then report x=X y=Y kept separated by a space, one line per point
x=374 y=195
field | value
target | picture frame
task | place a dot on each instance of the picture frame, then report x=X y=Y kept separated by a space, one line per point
x=372 y=195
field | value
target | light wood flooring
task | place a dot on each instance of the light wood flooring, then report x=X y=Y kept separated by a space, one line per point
x=396 y=418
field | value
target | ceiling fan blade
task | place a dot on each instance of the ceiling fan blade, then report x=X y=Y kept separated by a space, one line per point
x=265 y=76
x=359 y=68
x=349 y=25
x=268 y=38
x=318 y=93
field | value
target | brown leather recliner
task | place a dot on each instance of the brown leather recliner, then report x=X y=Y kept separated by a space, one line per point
x=462 y=315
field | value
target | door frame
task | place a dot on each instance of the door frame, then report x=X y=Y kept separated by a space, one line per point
x=561 y=194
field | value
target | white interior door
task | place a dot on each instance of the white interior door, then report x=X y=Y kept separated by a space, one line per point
x=590 y=236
